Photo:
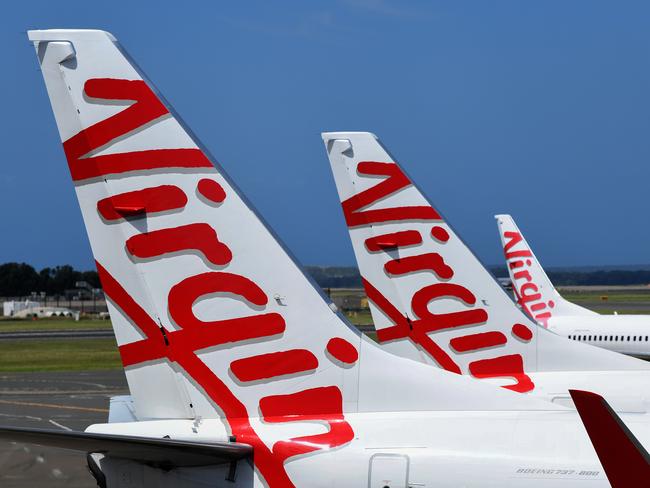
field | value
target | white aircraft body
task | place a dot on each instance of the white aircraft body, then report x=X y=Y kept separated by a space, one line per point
x=534 y=292
x=240 y=372
x=433 y=301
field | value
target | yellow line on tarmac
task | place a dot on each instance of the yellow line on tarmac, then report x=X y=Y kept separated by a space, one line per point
x=51 y=405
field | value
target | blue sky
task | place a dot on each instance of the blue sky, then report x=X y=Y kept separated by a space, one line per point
x=539 y=109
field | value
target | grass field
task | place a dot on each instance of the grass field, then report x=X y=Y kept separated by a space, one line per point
x=58 y=355
x=52 y=324
x=360 y=318
x=606 y=297
x=630 y=302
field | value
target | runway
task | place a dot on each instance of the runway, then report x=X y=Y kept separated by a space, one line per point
x=67 y=401
x=57 y=334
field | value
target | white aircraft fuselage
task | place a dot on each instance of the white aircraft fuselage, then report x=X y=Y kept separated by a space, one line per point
x=626 y=334
x=534 y=292
x=433 y=449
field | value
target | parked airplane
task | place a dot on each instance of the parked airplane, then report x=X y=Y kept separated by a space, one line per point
x=433 y=301
x=627 y=334
x=238 y=367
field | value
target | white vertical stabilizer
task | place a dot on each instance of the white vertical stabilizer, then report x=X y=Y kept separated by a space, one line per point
x=533 y=289
x=430 y=297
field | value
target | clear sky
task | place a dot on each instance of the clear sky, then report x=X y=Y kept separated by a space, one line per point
x=539 y=109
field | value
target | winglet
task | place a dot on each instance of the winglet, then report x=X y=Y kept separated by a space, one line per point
x=625 y=460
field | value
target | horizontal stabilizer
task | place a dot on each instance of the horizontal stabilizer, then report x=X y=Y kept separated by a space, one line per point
x=625 y=460
x=168 y=453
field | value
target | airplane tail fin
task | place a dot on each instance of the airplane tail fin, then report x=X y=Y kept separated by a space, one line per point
x=212 y=316
x=431 y=298
x=624 y=458
x=207 y=306
x=533 y=289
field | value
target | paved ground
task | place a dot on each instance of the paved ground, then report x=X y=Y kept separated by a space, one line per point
x=52 y=401
x=57 y=334
x=637 y=307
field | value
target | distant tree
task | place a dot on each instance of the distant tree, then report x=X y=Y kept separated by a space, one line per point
x=64 y=278
x=21 y=279
x=18 y=279
x=45 y=280
x=335 y=276
x=91 y=277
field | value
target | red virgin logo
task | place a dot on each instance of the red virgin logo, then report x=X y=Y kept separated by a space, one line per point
x=180 y=346
x=419 y=324
x=526 y=290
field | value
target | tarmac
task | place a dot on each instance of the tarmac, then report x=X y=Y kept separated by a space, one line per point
x=57 y=334
x=52 y=400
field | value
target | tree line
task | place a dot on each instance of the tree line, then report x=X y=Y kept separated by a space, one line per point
x=349 y=277
x=21 y=279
